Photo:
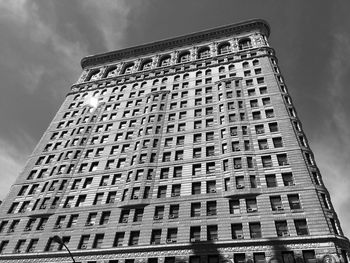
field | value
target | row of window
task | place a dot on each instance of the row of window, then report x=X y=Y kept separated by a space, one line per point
x=135 y=193
x=258 y=257
x=197 y=138
x=239 y=182
x=166 y=60
x=195 y=235
x=177 y=78
x=181 y=68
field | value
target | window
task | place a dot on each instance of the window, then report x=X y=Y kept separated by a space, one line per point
x=301 y=227
x=281 y=228
x=166 y=157
x=237 y=163
x=209 y=136
x=271 y=180
x=294 y=201
x=234 y=206
x=237 y=231
x=174 y=211
x=164 y=173
x=255 y=230
x=98 y=241
x=288 y=257
x=239 y=258
x=212 y=233
x=259 y=257
x=287 y=179
x=98 y=199
x=196 y=169
x=197 y=138
x=156 y=236
x=277 y=142
x=105 y=217
x=118 y=239
x=251 y=205
x=159 y=212
x=195 y=209
x=177 y=172
x=19 y=246
x=211 y=208
x=176 y=190
x=210 y=168
x=273 y=127
x=179 y=155
x=161 y=191
x=196 y=188
x=211 y=186
x=263 y=145
x=256 y=115
x=197 y=152
x=266 y=161
x=282 y=159
x=172 y=235
x=134 y=238
x=138 y=215
x=309 y=256
x=195 y=233
x=197 y=125
x=276 y=203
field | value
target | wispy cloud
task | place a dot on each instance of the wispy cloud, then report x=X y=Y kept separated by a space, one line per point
x=41 y=46
x=12 y=160
x=333 y=144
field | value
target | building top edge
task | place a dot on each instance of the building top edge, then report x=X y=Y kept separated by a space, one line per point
x=98 y=59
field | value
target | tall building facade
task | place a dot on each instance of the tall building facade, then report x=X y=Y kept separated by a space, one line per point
x=184 y=150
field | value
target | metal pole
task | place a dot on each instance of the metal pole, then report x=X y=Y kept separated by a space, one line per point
x=69 y=252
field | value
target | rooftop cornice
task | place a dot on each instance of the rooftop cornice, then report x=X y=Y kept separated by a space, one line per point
x=197 y=37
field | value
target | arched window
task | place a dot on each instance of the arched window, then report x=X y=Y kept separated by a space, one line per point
x=184 y=56
x=221 y=69
x=231 y=67
x=255 y=62
x=164 y=61
x=92 y=75
x=103 y=92
x=84 y=95
x=110 y=72
x=143 y=84
x=146 y=64
x=127 y=68
x=208 y=72
x=244 y=43
x=224 y=48
x=156 y=82
x=176 y=78
x=199 y=74
x=135 y=86
x=115 y=90
x=245 y=65
x=76 y=97
x=186 y=76
x=165 y=80
x=203 y=52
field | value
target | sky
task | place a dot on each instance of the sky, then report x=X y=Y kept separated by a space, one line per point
x=42 y=43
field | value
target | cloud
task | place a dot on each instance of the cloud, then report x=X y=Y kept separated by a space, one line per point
x=41 y=47
x=12 y=160
x=332 y=143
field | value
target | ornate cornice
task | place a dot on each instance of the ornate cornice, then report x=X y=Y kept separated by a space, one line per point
x=197 y=37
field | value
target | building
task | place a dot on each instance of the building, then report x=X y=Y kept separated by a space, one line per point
x=183 y=150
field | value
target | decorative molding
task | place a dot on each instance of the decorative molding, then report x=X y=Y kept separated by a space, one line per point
x=79 y=87
x=197 y=37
